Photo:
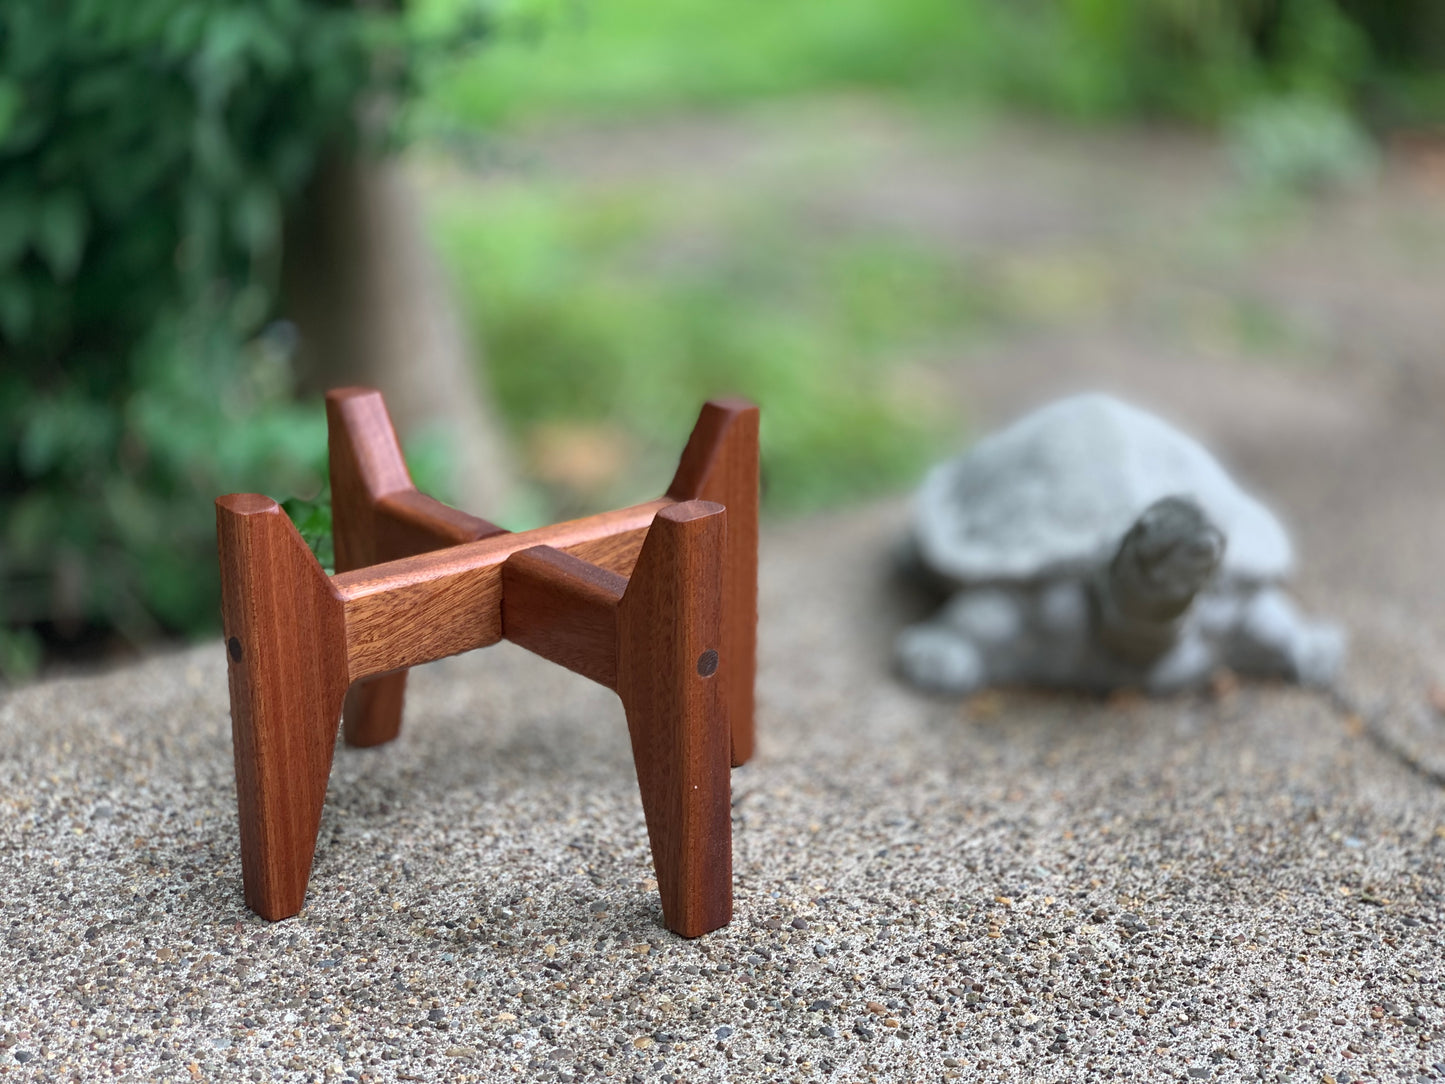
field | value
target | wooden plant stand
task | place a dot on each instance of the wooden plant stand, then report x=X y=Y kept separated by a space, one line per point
x=657 y=602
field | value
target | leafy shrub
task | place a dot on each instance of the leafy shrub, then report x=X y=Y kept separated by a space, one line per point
x=148 y=150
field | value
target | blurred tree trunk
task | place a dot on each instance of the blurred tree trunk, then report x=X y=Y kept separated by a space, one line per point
x=373 y=307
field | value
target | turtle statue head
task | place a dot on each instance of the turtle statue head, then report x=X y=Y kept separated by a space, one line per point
x=1164 y=560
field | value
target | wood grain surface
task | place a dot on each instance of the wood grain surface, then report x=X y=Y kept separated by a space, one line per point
x=671 y=676
x=720 y=463
x=564 y=609
x=657 y=639
x=286 y=646
x=403 y=613
x=378 y=515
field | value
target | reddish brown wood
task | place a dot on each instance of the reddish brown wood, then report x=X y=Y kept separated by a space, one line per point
x=720 y=464
x=378 y=515
x=657 y=639
x=650 y=601
x=384 y=518
x=564 y=609
x=403 y=613
x=671 y=675
x=286 y=643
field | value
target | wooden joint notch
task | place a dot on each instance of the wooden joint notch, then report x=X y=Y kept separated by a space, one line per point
x=657 y=602
x=564 y=609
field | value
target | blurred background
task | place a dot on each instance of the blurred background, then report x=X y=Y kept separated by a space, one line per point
x=548 y=229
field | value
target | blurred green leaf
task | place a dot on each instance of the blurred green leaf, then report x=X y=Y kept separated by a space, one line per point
x=1201 y=59
x=15 y=215
x=1300 y=143
x=19 y=654
x=16 y=307
x=256 y=218
x=11 y=102
x=60 y=232
x=65 y=434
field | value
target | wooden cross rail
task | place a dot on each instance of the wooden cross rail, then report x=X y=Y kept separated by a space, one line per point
x=658 y=602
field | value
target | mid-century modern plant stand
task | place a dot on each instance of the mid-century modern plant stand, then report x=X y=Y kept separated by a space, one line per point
x=657 y=602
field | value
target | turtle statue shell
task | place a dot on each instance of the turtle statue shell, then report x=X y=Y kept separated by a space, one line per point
x=1052 y=494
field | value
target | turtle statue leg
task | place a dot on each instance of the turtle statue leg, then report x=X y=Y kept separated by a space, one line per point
x=963 y=647
x=1273 y=639
x=938 y=659
x=1187 y=665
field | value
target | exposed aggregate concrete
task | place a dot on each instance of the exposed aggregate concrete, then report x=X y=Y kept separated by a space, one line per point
x=1242 y=886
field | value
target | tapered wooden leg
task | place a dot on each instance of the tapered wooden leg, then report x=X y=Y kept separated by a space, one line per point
x=720 y=464
x=656 y=639
x=286 y=647
x=371 y=712
x=365 y=464
x=377 y=515
x=672 y=672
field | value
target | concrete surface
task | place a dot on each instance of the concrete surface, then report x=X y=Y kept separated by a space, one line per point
x=1024 y=886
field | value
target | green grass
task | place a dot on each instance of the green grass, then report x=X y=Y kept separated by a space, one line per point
x=631 y=57
x=1081 y=58
x=624 y=310
x=1077 y=58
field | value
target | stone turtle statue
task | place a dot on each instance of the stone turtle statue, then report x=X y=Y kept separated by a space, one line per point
x=1091 y=545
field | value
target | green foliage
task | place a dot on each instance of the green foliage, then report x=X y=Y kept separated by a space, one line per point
x=428 y=460
x=313 y=521
x=1202 y=59
x=148 y=150
x=629 y=55
x=627 y=310
x=107 y=517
